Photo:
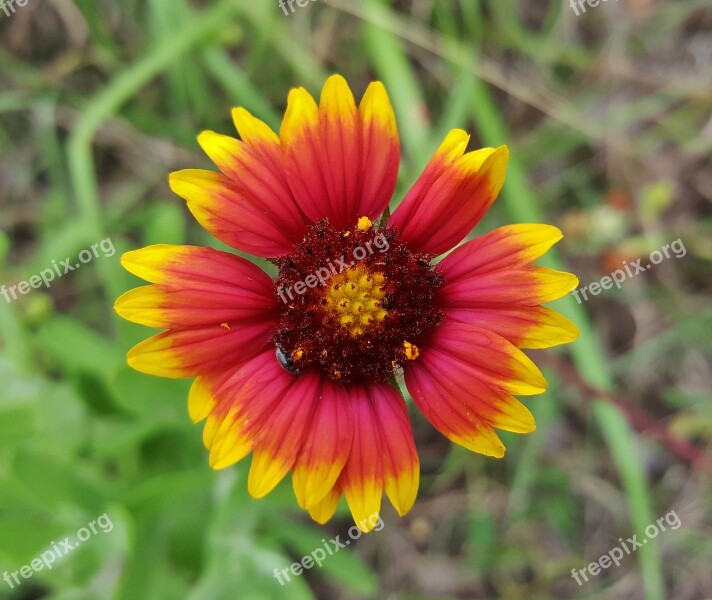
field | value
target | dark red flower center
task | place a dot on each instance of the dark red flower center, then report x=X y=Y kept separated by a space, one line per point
x=357 y=303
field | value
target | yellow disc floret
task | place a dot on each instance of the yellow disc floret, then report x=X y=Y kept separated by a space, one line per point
x=364 y=224
x=355 y=297
x=411 y=351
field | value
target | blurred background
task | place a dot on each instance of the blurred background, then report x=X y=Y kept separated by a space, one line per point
x=607 y=110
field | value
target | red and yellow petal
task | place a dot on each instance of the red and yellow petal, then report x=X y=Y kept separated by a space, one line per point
x=531 y=327
x=255 y=166
x=219 y=309
x=529 y=285
x=464 y=383
x=164 y=263
x=256 y=214
x=256 y=133
x=326 y=447
x=490 y=283
x=401 y=466
x=505 y=247
x=239 y=405
x=362 y=477
x=383 y=455
x=195 y=286
x=448 y=153
x=451 y=196
x=324 y=510
x=227 y=439
x=201 y=400
x=278 y=445
x=176 y=354
x=342 y=159
x=177 y=306
x=380 y=149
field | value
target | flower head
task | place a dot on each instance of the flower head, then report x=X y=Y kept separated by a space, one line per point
x=300 y=370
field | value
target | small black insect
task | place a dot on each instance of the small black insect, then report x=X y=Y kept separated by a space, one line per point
x=286 y=362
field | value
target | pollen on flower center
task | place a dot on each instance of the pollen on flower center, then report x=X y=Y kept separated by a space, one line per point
x=355 y=298
x=355 y=304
